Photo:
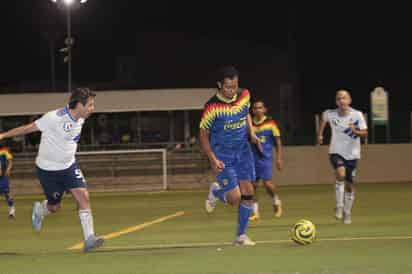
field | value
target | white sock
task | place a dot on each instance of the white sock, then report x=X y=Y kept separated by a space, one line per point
x=255 y=208
x=86 y=219
x=45 y=210
x=275 y=199
x=349 y=199
x=340 y=190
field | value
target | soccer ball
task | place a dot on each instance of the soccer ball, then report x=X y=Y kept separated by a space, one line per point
x=303 y=232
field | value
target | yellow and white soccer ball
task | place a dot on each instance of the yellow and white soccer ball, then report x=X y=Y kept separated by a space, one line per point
x=303 y=232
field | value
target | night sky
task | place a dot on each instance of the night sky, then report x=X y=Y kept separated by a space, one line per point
x=337 y=46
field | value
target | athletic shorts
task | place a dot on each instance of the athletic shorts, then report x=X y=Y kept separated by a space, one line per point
x=350 y=165
x=239 y=166
x=55 y=183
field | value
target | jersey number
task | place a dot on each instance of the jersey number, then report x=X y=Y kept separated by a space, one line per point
x=79 y=175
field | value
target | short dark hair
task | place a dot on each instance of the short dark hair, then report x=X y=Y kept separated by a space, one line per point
x=80 y=95
x=259 y=101
x=228 y=72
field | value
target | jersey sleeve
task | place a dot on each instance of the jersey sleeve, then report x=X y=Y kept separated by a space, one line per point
x=208 y=117
x=9 y=156
x=275 y=130
x=325 y=116
x=362 y=125
x=44 y=123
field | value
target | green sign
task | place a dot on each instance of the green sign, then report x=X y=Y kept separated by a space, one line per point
x=380 y=109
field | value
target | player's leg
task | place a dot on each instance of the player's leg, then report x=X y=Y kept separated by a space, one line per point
x=245 y=209
x=75 y=182
x=245 y=171
x=340 y=176
x=255 y=208
x=53 y=192
x=273 y=193
x=10 y=204
x=226 y=188
x=349 y=196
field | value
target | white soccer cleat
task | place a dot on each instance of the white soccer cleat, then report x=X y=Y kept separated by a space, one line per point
x=211 y=200
x=12 y=212
x=347 y=219
x=339 y=213
x=92 y=242
x=244 y=240
x=37 y=216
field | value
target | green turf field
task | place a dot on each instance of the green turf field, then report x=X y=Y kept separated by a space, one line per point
x=378 y=241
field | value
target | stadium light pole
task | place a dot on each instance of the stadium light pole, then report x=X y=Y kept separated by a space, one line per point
x=69 y=41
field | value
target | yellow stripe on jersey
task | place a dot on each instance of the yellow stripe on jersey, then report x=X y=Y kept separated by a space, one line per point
x=268 y=125
x=214 y=110
x=6 y=153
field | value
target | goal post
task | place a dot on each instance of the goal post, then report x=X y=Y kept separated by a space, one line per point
x=136 y=169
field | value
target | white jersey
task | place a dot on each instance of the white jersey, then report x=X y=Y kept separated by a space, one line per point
x=344 y=142
x=59 y=138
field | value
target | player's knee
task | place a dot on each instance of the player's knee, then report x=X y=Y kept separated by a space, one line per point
x=53 y=208
x=247 y=199
x=268 y=184
x=349 y=187
x=341 y=174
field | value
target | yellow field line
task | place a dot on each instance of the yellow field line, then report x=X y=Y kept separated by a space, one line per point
x=133 y=228
x=217 y=244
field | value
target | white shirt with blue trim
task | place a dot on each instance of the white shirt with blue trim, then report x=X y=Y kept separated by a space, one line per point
x=60 y=134
x=344 y=142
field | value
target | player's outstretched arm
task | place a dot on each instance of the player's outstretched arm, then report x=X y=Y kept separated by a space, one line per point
x=216 y=164
x=19 y=131
x=322 y=127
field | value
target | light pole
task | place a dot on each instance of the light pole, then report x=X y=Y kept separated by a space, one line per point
x=69 y=41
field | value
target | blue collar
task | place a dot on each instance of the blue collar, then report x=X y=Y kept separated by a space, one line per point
x=68 y=113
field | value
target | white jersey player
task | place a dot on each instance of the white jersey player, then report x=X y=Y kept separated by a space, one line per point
x=348 y=126
x=57 y=169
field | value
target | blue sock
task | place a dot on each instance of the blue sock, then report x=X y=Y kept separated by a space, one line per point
x=10 y=201
x=243 y=218
x=220 y=193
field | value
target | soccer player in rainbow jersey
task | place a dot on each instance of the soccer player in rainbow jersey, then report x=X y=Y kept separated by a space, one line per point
x=268 y=132
x=6 y=163
x=225 y=131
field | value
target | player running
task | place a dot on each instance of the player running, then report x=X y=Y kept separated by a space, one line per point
x=268 y=132
x=6 y=163
x=224 y=131
x=347 y=125
x=57 y=169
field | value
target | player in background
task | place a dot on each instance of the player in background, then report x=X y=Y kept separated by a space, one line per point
x=348 y=126
x=225 y=130
x=268 y=132
x=57 y=169
x=6 y=164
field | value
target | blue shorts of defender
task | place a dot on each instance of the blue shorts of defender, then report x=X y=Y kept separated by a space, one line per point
x=4 y=185
x=239 y=166
x=264 y=170
x=55 y=183
x=350 y=165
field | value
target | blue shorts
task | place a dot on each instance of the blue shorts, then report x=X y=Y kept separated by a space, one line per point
x=350 y=165
x=4 y=185
x=264 y=170
x=239 y=166
x=55 y=183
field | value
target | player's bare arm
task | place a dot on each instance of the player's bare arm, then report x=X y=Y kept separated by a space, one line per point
x=253 y=138
x=9 y=167
x=279 y=153
x=216 y=164
x=322 y=127
x=19 y=131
